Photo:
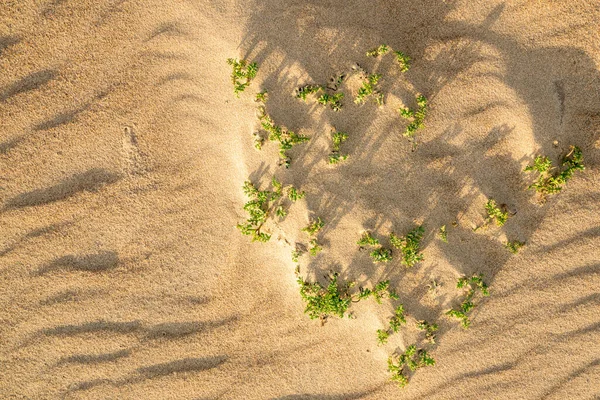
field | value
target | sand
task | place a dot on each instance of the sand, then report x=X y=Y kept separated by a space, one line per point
x=122 y=156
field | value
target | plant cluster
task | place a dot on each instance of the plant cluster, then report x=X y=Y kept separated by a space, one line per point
x=380 y=253
x=287 y=139
x=444 y=234
x=261 y=97
x=514 y=246
x=304 y=91
x=368 y=88
x=429 y=329
x=242 y=74
x=333 y=100
x=412 y=359
x=260 y=206
x=335 y=299
x=409 y=246
x=471 y=285
x=402 y=59
x=396 y=322
x=552 y=179
x=337 y=138
x=378 y=51
x=313 y=229
x=415 y=116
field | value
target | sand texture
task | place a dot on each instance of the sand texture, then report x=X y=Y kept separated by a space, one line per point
x=123 y=152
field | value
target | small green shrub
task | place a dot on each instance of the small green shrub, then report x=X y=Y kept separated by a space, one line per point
x=378 y=51
x=296 y=255
x=287 y=139
x=514 y=246
x=412 y=359
x=496 y=213
x=261 y=97
x=552 y=179
x=294 y=194
x=396 y=322
x=443 y=234
x=368 y=88
x=315 y=248
x=429 y=329
x=314 y=227
x=409 y=246
x=381 y=255
x=338 y=138
x=304 y=91
x=471 y=285
x=243 y=73
x=379 y=292
x=415 y=116
x=367 y=240
x=333 y=100
x=403 y=60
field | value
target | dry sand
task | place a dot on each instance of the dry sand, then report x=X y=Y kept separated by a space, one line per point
x=122 y=156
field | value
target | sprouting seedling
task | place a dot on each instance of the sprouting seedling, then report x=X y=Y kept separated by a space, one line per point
x=333 y=100
x=413 y=359
x=261 y=97
x=303 y=91
x=415 y=116
x=242 y=74
x=396 y=322
x=367 y=240
x=381 y=255
x=296 y=253
x=258 y=210
x=335 y=299
x=429 y=329
x=471 y=285
x=337 y=138
x=314 y=227
x=443 y=234
x=403 y=60
x=378 y=51
x=551 y=179
x=409 y=246
x=280 y=212
x=514 y=246
x=368 y=88
x=494 y=213
x=379 y=292
x=294 y=194
x=287 y=139
x=315 y=248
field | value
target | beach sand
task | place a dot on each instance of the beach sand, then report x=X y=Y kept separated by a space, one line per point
x=123 y=152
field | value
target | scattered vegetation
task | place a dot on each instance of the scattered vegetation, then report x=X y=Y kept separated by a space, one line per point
x=338 y=138
x=378 y=51
x=396 y=322
x=287 y=139
x=494 y=213
x=403 y=60
x=380 y=254
x=296 y=253
x=313 y=229
x=260 y=206
x=415 y=116
x=429 y=329
x=333 y=100
x=261 y=97
x=409 y=246
x=242 y=74
x=294 y=194
x=443 y=234
x=412 y=359
x=335 y=299
x=368 y=88
x=315 y=248
x=471 y=285
x=304 y=91
x=514 y=246
x=367 y=240
x=552 y=179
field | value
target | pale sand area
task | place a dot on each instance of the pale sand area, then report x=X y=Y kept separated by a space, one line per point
x=122 y=156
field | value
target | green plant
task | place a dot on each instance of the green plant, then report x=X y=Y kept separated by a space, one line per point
x=333 y=100
x=296 y=255
x=379 y=292
x=287 y=139
x=396 y=322
x=443 y=234
x=261 y=97
x=378 y=51
x=495 y=213
x=315 y=248
x=409 y=246
x=514 y=246
x=337 y=138
x=242 y=74
x=429 y=329
x=471 y=285
x=403 y=60
x=280 y=212
x=304 y=91
x=381 y=255
x=368 y=240
x=551 y=179
x=294 y=194
x=314 y=227
x=416 y=116
x=413 y=359
x=368 y=88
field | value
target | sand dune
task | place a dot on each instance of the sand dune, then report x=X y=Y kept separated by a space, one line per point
x=123 y=152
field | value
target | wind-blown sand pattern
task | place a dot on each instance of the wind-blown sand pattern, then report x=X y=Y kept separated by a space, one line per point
x=122 y=156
